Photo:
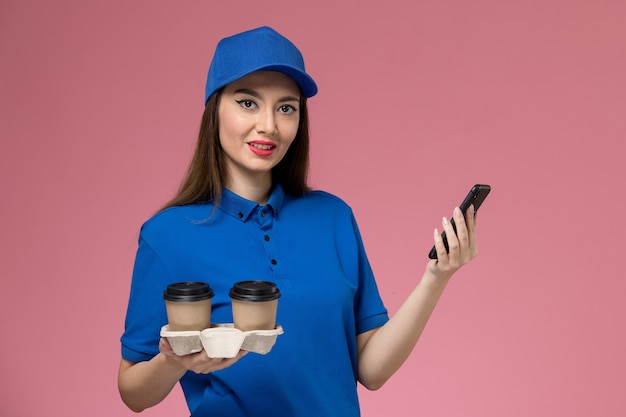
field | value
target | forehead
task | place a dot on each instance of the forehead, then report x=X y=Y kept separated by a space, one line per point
x=266 y=80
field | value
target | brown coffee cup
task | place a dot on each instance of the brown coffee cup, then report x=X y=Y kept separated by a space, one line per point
x=254 y=305
x=188 y=305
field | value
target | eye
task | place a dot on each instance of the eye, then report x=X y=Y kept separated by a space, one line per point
x=287 y=109
x=246 y=104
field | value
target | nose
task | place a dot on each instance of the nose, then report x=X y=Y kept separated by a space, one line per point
x=266 y=121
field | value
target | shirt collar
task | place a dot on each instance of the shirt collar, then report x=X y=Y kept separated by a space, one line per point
x=241 y=208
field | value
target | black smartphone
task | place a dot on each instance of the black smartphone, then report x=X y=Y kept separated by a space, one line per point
x=476 y=196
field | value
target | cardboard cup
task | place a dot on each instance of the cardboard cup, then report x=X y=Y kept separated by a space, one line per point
x=254 y=305
x=188 y=306
x=254 y=315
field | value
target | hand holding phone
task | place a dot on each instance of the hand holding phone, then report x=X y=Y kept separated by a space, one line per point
x=476 y=196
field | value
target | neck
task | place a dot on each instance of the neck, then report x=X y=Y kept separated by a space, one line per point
x=257 y=190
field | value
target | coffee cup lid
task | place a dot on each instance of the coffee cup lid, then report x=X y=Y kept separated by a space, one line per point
x=188 y=291
x=254 y=291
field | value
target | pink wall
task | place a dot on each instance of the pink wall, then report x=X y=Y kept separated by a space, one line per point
x=100 y=102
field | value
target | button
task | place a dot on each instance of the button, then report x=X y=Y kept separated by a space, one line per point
x=267 y=238
x=262 y=214
x=240 y=215
x=273 y=261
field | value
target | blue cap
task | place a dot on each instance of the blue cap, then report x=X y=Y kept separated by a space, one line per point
x=256 y=50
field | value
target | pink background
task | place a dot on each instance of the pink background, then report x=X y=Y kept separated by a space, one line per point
x=100 y=102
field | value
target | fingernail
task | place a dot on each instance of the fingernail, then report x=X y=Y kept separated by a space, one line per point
x=457 y=211
x=444 y=221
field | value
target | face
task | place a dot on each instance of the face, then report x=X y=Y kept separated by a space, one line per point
x=258 y=120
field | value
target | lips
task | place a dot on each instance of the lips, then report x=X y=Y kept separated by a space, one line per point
x=262 y=148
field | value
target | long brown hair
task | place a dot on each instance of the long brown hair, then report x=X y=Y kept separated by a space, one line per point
x=207 y=172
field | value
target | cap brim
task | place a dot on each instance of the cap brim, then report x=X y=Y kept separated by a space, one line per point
x=304 y=81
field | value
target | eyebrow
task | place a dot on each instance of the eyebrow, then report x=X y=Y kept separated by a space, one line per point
x=254 y=93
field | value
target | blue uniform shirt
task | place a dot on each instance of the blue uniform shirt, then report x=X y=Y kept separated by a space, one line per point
x=311 y=248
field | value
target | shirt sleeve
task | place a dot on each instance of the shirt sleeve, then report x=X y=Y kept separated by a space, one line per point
x=370 y=311
x=146 y=309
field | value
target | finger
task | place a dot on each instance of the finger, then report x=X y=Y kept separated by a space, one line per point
x=471 y=228
x=201 y=363
x=461 y=226
x=453 y=242
x=216 y=364
x=164 y=346
x=230 y=361
x=440 y=247
x=463 y=235
x=470 y=219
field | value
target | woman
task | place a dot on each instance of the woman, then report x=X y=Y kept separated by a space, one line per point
x=243 y=212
